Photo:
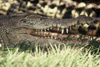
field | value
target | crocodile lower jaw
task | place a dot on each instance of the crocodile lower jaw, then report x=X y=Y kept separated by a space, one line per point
x=47 y=34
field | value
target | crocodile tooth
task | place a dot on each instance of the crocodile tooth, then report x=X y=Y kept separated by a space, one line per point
x=66 y=30
x=58 y=29
x=62 y=31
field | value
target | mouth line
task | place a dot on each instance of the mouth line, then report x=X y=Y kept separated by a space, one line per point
x=58 y=36
x=53 y=33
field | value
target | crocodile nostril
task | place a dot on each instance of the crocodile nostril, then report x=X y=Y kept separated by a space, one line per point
x=92 y=27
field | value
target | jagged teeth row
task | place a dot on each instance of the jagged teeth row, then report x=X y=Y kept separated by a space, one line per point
x=47 y=36
x=51 y=37
x=66 y=30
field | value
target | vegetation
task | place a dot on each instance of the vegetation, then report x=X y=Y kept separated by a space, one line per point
x=53 y=57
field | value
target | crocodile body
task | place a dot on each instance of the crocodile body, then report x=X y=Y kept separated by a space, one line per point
x=31 y=27
x=69 y=20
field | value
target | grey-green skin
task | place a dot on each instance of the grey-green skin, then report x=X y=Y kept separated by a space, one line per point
x=39 y=22
x=10 y=25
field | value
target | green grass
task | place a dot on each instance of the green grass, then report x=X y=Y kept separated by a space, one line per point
x=54 y=57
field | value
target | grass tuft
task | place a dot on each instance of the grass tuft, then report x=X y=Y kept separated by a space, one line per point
x=53 y=57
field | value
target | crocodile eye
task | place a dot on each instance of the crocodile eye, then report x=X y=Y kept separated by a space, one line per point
x=23 y=21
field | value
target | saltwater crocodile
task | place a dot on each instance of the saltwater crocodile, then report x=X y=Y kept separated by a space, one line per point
x=25 y=27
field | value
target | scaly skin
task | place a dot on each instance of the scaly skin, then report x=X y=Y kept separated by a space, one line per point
x=59 y=25
x=7 y=25
x=13 y=28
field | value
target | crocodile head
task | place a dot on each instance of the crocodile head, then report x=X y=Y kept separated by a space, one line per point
x=40 y=26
